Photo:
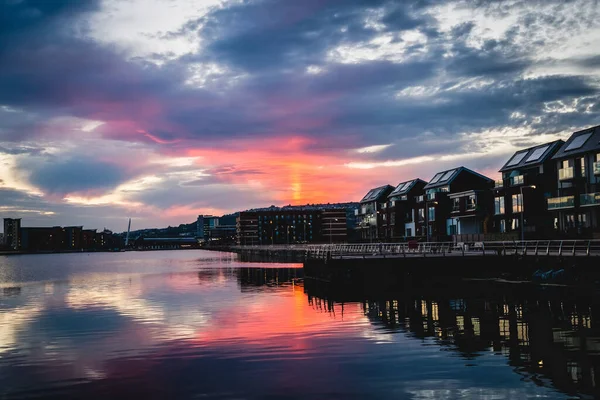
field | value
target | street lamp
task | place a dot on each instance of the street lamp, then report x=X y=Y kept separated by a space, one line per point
x=330 y=229
x=426 y=212
x=523 y=210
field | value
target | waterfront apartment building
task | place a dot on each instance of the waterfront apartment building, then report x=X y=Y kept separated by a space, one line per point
x=204 y=225
x=12 y=233
x=399 y=210
x=576 y=202
x=453 y=203
x=369 y=216
x=295 y=224
x=529 y=177
x=56 y=238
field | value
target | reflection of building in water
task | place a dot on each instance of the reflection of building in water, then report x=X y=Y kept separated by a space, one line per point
x=550 y=342
x=256 y=277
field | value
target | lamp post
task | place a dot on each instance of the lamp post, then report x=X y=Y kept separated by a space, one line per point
x=330 y=231
x=523 y=210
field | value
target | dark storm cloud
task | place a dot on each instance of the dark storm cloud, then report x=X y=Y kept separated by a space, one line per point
x=273 y=42
x=76 y=175
x=51 y=67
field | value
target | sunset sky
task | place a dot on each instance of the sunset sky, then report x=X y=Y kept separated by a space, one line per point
x=161 y=110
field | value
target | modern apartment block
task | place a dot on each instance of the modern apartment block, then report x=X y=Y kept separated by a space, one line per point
x=452 y=203
x=369 y=216
x=575 y=203
x=528 y=179
x=12 y=233
x=327 y=223
x=399 y=210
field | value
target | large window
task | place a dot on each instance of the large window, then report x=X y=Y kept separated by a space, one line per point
x=431 y=213
x=517 y=203
x=471 y=202
x=421 y=214
x=515 y=224
x=499 y=205
x=456 y=204
x=502 y=226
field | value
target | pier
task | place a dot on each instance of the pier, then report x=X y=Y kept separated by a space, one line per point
x=415 y=263
x=374 y=251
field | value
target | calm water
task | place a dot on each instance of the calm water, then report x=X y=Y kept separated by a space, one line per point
x=194 y=324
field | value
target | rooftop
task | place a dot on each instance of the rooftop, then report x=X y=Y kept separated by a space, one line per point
x=404 y=187
x=446 y=177
x=307 y=207
x=587 y=140
x=532 y=156
x=376 y=193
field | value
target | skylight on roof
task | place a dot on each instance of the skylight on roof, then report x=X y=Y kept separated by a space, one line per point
x=517 y=158
x=406 y=185
x=401 y=187
x=368 y=195
x=447 y=175
x=436 y=178
x=537 y=153
x=578 y=141
x=374 y=194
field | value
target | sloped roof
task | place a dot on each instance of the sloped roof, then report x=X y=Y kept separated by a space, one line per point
x=376 y=193
x=405 y=187
x=578 y=144
x=444 y=178
x=532 y=156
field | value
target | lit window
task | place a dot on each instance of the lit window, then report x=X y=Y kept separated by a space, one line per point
x=431 y=213
x=517 y=203
x=499 y=205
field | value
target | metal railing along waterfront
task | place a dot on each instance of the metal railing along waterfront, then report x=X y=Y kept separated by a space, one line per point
x=557 y=248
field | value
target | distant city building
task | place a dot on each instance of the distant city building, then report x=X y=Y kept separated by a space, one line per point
x=57 y=238
x=12 y=233
x=295 y=224
x=204 y=224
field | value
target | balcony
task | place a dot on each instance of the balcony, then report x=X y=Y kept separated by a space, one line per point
x=565 y=174
x=596 y=168
x=555 y=203
x=471 y=207
x=499 y=183
x=517 y=180
x=590 y=199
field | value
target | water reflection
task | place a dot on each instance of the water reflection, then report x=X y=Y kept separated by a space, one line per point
x=189 y=324
x=545 y=339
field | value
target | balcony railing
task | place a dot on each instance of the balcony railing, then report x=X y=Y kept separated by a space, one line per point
x=455 y=208
x=555 y=203
x=596 y=168
x=517 y=180
x=590 y=199
x=499 y=183
x=565 y=173
x=471 y=207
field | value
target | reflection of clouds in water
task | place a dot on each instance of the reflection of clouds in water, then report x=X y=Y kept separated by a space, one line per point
x=163 y=322
x=14 y=321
